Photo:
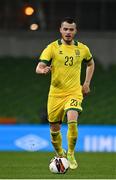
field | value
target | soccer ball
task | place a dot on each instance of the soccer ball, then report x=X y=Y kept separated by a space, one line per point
x=59 y=165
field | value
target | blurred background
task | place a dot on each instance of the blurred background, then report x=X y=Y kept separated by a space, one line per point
x=26 y=27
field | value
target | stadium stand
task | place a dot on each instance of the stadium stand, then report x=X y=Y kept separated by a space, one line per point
x=24 y=93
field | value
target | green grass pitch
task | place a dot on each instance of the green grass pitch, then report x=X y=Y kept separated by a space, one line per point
x=34 y=165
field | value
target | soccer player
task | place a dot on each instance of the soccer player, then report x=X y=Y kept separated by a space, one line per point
x=63 y=58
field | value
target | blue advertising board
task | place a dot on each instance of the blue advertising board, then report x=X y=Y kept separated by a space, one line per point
x=37 y=138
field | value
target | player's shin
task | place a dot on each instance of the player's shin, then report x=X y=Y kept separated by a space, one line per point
x=72 y=135
x=56 y=139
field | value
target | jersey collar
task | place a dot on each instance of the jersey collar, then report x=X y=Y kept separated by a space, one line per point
x=75 y=42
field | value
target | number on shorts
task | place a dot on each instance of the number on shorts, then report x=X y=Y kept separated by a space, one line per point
x=74 y=102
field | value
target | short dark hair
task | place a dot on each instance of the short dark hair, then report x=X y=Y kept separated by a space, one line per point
x=68 y=20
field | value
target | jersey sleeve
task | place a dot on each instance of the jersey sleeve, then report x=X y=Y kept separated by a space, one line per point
x=88 y=55
x=46 y=55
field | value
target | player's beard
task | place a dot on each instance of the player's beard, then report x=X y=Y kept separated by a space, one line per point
x=67 y=41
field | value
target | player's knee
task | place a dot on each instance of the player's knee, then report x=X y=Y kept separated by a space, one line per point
x=54 y=127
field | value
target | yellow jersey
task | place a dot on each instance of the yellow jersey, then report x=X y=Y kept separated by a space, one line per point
x=65 y=61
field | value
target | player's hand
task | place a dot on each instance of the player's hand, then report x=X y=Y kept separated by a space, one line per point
x=85 y=88
x=46 y=70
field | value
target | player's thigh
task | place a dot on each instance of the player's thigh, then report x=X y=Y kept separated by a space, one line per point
x=72 y=115
x=55 y=109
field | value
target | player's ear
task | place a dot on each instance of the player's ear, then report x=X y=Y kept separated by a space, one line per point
x=75 y=31
x=60 y=30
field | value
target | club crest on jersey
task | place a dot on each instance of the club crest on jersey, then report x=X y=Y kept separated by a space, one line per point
x=77 y=52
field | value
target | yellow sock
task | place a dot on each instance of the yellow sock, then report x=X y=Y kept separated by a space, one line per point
x=56 y=139
x=72 y=135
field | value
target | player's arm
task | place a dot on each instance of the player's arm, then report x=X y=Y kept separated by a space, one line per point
x=42 y=68
x=89 y=73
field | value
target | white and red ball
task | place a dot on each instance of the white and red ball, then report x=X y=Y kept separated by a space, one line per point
x=59 y=165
